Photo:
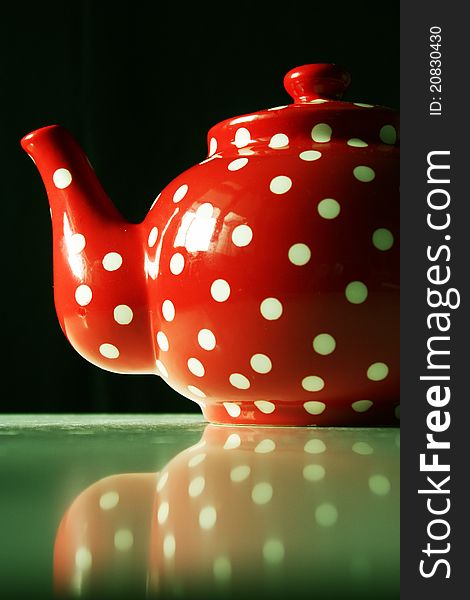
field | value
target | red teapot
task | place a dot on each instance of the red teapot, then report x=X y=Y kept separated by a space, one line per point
x=264 y=282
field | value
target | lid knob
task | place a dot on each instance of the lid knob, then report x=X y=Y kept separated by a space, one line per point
x=321 y=80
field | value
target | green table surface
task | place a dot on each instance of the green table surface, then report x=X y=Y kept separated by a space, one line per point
x=157 y=506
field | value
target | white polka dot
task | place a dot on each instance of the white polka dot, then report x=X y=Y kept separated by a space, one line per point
x=362 y=448
x=279 y=140
x=109 y=351
x=280 y=184
x=271 y=309
x=222 y=569
x=261 y=363
x=205 y=211
x=109 y=500
x=262 y=492
x=162 y=341
x=364 y=174
x=123 y=539
x=62 y=178
x=123 y=314
x=180 y=193
x=326 y=514
x=324 y=344
x=212 y=146
x=242 y=137
x=83 y=295
x=112 y=261
x=177 y=263
x=196 y=391
x=377 y=371
x=363 y=105
x=313 y=383
x=207 y=517
x=161 y=367
x=152 y=239
x=83 y=558
x=388 y=134
x=273 y=551
x=265 y=446
x=310 y=155
x=357 y=143
x=239 y=381
x=196 y=367
x=169 y=546
x=318 y=101
x=240 y=473
x=233 y=441
x=379 y=485
x=232 y=409
x=242 y=235
x=321 y=133
x=356 y=292
x=382 y=239
x=168 y=310
x=197 y=459
x=361 y=406
x=206 y=339
x=278 y=107
x=315 y=446
x=237 y=164
x=76 y=243
x=265 y=407
x=314 y=408
x=196 y=486
x=163 y=512
x=220 y=290
x=329 y=208
x=299 y=254
x=313 y=472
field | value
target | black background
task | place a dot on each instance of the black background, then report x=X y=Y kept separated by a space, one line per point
x=139 y=84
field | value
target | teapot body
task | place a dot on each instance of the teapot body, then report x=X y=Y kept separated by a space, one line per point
x=264 y=282
x=274 y=284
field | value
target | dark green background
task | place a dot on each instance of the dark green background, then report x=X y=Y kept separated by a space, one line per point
x=139 y=84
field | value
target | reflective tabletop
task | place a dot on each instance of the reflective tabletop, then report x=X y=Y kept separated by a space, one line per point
x=167 y=506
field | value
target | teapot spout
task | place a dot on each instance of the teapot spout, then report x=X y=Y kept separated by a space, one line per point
x=67 y=174
x=100 y=287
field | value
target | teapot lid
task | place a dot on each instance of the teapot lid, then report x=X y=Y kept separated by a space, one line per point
x=317 y=116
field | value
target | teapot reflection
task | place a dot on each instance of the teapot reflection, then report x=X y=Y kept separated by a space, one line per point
x=254 y=509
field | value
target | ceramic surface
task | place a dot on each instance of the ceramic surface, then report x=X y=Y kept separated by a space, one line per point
x=264 y=282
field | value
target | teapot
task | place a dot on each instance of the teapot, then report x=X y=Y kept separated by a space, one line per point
x=263 y=284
